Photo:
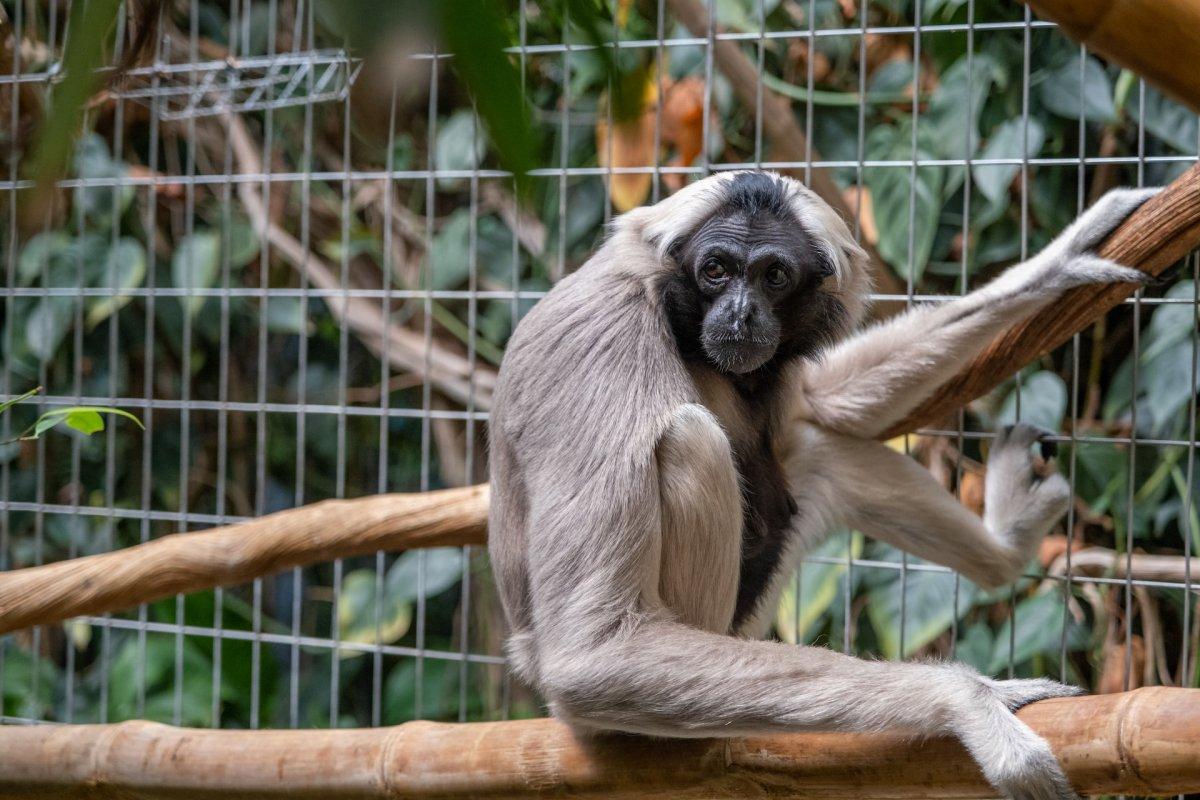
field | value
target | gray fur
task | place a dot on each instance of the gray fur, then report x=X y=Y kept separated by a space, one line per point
x=615 y=521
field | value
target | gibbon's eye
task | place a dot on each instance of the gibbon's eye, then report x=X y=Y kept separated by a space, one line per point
x=714 y=270
x=776 y=277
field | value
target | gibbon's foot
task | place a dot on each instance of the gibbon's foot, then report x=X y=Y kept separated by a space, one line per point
x=1074 y=249
x=1017 y=693
x=1024 y=496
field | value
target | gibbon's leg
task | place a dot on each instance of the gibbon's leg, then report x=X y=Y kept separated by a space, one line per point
x=612 y=656
x=874 y=379
x=701 y=520
x=891 y=497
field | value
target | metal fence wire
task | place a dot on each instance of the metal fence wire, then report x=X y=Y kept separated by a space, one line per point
x=299 y=270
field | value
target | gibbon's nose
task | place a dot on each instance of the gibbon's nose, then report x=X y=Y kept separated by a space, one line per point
x=742 y=316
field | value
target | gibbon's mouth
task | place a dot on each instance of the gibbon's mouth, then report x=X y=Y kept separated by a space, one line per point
x=738 y=356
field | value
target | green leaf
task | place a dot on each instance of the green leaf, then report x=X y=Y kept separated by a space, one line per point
x=460 y=146
x=1168 y=382
x=243 y=244
x=797 y=616
x=450 y=258
x=85 y=421
x=1012 y=139
x=927 y=600
x=1039 y=631
x=357 y=606
x=1171 y=122
x=38 y=253
x=1171 y=322
x=286 y=315
x=951 y=132
x=892 y=192
x=46 y=326
x=195 y=265
x=82 y=418
x=442 y=569
x=1061 y=92
x=125 y=267
x=473 y=31
x=92 y=160
x=1043 y=399
x=357 y=602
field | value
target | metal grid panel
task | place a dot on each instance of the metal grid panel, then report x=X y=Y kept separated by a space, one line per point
x=262 y=388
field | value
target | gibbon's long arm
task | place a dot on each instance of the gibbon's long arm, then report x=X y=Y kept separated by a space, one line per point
x=891 y=497
x=873 y=380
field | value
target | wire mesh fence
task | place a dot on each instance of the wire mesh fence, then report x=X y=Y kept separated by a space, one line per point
x=299 y=270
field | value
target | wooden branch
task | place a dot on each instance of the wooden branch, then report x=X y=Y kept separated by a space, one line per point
x=1157 y=39
x=234 y=554
x=788 y=142
x=1102 y=561
x=1143 y=742
x=1154 y=237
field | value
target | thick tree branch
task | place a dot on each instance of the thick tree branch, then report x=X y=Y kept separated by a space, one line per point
x=1154 y=237
x=1154 y=38
x=227 y=556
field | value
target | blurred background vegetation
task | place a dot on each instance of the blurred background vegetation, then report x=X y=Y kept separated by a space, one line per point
x=151 y=285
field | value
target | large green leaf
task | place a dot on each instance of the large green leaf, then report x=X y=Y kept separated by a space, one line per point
x=797 y=616
x=1039 y=632
x=125 y=269
x=359 y=601
x=473 y=31
x=904 y=209
x=1062 y=93
x=1171 y=122
x=926 y=598
x=460 y=146
x=1043 y=401
x=85 y=419
x=46 y=326
x=952 y=131
x=38 y=253
x=195 y=265
x=1016 y=138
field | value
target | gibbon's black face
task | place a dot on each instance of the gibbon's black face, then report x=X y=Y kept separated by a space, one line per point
x=748 y=289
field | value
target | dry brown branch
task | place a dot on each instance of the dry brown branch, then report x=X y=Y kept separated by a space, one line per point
x=405 y=349
x=235 y=554
x=1154 y=38
x=1103 y=562
x=1154 y=237
x=788 y=141
x=1144 y=742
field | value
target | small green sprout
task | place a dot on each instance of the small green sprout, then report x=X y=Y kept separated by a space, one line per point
x=85 y=419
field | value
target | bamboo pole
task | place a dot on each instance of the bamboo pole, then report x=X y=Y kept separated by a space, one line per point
x=1158 y=39
x=1144 y=742
x=235 y=554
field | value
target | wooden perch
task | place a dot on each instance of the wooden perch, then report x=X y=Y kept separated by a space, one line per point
x=1144 y=742
x=234 y=554
x=1154 y=237
x=1157 y=39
